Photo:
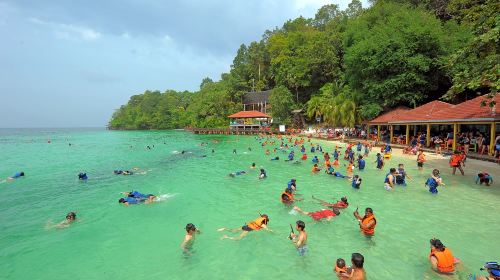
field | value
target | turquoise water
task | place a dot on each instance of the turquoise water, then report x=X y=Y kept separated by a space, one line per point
x=112 y=241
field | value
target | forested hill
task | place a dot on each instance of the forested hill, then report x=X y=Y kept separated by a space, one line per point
x=344 y=66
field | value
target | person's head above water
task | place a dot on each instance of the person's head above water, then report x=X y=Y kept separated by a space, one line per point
x=301 y=225
x=340 y=263
x=401 y=165
x=122 y=200
x=357 y=260
x=437 y=244
x=392 y=170
x=368 y=212
x=493 y=268
x=435 y=172
x=344 y=199
x=21 y=173
x=266 y=218
x=71 y=216
x=190 y=227
x=253 y=164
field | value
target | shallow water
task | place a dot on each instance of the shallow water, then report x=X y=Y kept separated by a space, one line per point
x=112 y=241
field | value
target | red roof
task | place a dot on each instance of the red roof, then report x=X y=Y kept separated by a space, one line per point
x=249 y=114
x=470 y=110
x=424 y=112
x=389 y=116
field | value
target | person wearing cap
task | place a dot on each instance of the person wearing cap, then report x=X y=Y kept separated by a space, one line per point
x=441 y=258
x=493 y=269
x=300 y=240
x=188 y=242
x=255 y=225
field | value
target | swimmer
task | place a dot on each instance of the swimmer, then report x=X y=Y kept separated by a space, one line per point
x=361 y=162
x=493 y=269
x=356 y=181
x=252 y=166
x=276 y=158
x=342 y=270
x=320 y=214
x=315 y=159
x=255 y=225
x=82 y=176
x=300 y=241
x=237 y=173
x=287 y=197
x=380 y=161
x=434 y=181
x=292 y=185
x=136 y=194
x=401 y=175
x=315 y=168
x=16 y=176
x=234 y=151
x=441 y=258
x=339 y=204
x=70 y=218
x=189 y=239
x=263 y=174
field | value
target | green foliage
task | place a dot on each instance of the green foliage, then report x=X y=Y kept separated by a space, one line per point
x=343 y=66
x=282 y=104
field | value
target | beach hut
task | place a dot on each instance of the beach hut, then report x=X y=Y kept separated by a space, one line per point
x=249 y=120
x=256 y=101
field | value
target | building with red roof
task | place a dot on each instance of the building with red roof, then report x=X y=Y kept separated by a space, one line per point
x=249 y=120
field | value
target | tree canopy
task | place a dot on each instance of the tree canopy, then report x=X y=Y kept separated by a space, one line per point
x=343 y=66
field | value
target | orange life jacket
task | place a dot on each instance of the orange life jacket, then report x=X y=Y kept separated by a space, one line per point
x=421 y=158
x=455 y=160
x=445 y=259
x=315 y=169
x=289 y=195
x=365 y=221
x=336 y=163
x=304 y=157
x=257 y=223
x=327 y=163
x=350 y=168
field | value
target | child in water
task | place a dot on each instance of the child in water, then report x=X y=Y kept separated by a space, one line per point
x=263 y=174
x=380 y=161
x=434 y=181
x=342 y=270
x=188 y=242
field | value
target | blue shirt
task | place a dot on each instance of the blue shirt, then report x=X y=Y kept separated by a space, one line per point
x=361 y=164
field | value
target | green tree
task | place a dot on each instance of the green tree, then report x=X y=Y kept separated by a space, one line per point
x=282 y=104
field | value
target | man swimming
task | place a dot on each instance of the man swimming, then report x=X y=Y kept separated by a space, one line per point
x=237 y=173
x=320 y=214
x=70 y=218
x=16 y=176
x=339 y=204
x=255 y=225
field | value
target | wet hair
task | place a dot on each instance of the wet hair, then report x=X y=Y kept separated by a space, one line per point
x=253 y=163
x=266 y=218
x=344 y=199
x=22 y=173
x=435 y=172
x=301 y=224
x=340 y=263
x=336 y=211
x=438 y=244
x=357 y=259
x=392 y=170
x=360 y=157
x=401 y=165
x=190 y=227
x=71 y=216
x=121 y=200
x=369 y=210
x=262 y=170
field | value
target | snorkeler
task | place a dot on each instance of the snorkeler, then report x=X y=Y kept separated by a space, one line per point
x=16 y=176
x=255 y=225
x=188 y=242
x=237 y=173
x=263 y=174
x=320 y=214
x=339 y=204
x=82 y=176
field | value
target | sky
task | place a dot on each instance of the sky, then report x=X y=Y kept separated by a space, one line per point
x=73 y=63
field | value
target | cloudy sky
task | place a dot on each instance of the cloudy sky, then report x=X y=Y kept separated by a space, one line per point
x=72 y=63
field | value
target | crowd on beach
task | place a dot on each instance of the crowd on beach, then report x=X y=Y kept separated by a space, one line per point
x=345 y=163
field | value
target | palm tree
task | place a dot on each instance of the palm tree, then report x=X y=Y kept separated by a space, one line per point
x=314 y=107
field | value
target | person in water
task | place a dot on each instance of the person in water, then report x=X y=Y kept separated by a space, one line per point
x=493 y=269
x=189 y=239
x=420 y=159
x=441 y=258
x=484 y=178
x=358 y=272
x=123 y=172
x=379 y=161
x=315 y=168
x=341 y=269
x=252 y=166
x=339 y=204
x=320 y=214
x=390 y=180
x=300 y=240
x=367 y=223
x=401 y=175
x=82 y=176
x=255 y=225
x=315 y=159
x=287 y=196
x=135 y=197
x=237 y=173
x=456 y=162
x=361 y=162
x=262 y=174
x=292 y=185
x=276 y=158
x=16 y=176
x=356 y=182
x=70 y=218
x=434 y=181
